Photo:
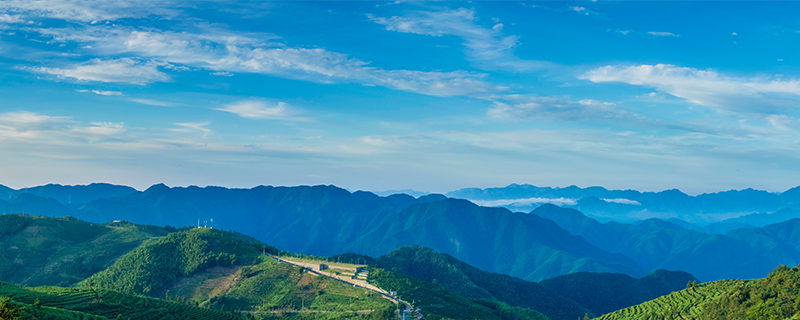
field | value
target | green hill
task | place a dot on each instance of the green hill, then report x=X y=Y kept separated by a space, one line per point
x=212 y=268
x=437 y=303
x=63 y=251
x=775 y=297
x=461 y=278
x=607 y=292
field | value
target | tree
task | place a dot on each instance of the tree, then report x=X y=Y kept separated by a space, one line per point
x=9 y=311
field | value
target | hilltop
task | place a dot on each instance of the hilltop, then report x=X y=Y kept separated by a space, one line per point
x=773 y=297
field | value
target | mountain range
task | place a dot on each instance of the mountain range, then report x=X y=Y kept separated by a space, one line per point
x=222 y=269
x=549 y=241
x=631 y=205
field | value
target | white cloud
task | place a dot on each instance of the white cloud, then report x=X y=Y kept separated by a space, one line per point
x=122 y=70
x=486 y=45
x=580 y=10
x=707 y=87
x=662 y=34
x=623 y=201
x=9 y=18
x=157 y=103
x=523 y=108
x=222 y=74
x=262 y=110
x=193 y=126
x=102 y=93
x=100 y=129
x=525 y=202
x=233 y=53
x=87 y=10
x=24 y=123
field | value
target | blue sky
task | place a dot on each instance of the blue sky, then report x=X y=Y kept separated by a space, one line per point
x=434 y=96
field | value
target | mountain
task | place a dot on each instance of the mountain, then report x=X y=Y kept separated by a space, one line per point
x=437 y=303
x=326 y=220
x=492 y=239
x=602 y=293
x=29 y=203
x=658 y=244
x=63 y=251
x=70 y=195
x=773 y=297
x=461 y=278
x=763 y=219
x=629 y=205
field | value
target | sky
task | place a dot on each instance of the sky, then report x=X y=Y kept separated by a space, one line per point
x=378 y=95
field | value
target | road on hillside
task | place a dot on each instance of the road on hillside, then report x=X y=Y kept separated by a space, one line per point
x=313 y=267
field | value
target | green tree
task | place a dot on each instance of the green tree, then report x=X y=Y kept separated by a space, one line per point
x=9 y=311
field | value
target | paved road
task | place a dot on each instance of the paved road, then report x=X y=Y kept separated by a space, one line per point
x=313 y=267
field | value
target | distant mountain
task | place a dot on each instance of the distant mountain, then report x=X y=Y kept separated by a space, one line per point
x=773 y=297
x=459 y=277
x=29 y=203
x=602 y=293
x=410 y=192
x=629 y=205
x=70 y=195
x=659 y=244
x=762 y=219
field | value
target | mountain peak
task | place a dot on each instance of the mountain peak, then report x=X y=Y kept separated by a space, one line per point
x=157 y=187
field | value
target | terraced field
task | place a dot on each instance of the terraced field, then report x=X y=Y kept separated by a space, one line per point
x=75 y=303
x=684 y=304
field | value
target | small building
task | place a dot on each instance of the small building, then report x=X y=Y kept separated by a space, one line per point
x=323 y=267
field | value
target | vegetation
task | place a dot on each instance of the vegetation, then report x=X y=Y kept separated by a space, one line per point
x=607 y=292
x=684 y=304
x=97 y=304
x=160 y=261
x=10 y=310
x=63 y=251
x=438 y=303
x=468 y=281
x=775 y=297
x=221 y=270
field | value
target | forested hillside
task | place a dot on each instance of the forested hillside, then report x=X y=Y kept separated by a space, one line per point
x=63 y=251
x=459 y=277
x=606 y=292
x=773 y=297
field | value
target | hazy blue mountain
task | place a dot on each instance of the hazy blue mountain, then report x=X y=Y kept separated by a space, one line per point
x=70 y=194
x=658 y=244
x=629 y=205
x=763 y=219
x=602 y=293
x=31 y=204
x=410 y=192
